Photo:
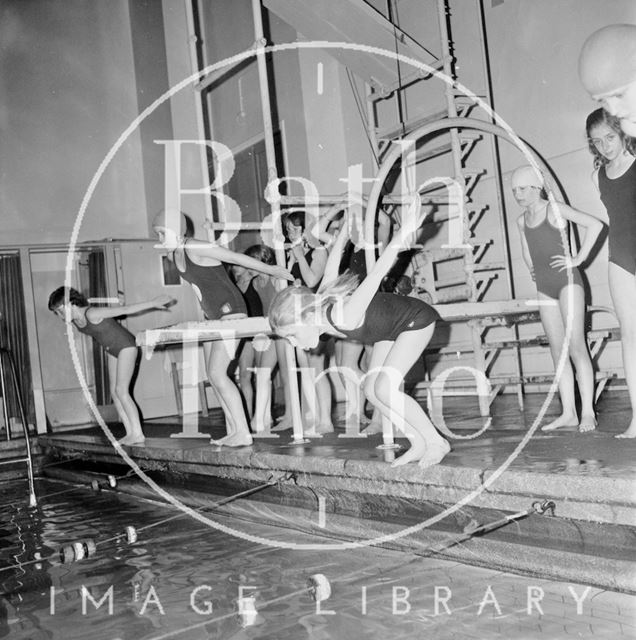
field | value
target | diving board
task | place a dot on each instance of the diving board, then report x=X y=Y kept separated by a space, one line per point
x=190 y=334
x=209 y=330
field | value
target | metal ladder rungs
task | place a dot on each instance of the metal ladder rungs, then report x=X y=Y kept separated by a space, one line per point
x=14 y=460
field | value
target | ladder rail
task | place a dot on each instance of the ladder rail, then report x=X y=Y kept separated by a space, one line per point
x=5 y=356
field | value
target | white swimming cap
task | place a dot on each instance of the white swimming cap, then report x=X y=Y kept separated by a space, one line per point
x=608 y=59
x=526 y=176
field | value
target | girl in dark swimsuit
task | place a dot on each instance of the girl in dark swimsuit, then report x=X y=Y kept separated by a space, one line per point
x=201 y=264
x=542 y=228
x=349 y=353
x=346 y=309
x=306 y=262
x=257 y=353
x=615 y=177
x=99 y=323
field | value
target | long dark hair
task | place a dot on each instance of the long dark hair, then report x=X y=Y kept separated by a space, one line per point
x=596 y=118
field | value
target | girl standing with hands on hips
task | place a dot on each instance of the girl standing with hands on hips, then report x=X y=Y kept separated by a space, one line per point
x=615 y=178
x=99 y=323
x=399 y=328
x=543 y=227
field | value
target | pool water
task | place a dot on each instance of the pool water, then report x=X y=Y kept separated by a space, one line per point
x=181 y=579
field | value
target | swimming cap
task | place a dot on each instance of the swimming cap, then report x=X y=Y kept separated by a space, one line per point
x=608 y=59
x=526 y=176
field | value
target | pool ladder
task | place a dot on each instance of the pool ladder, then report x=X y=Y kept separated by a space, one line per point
x=7 y=359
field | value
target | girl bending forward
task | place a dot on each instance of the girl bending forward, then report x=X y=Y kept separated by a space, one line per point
x=202 y=265
x=99 y=323
x=398 y=327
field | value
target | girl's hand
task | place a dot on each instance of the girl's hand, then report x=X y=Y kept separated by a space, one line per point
x=411 y=221
x=564 y=262
x=282 y=273
x=162 y=301
x=298 y=250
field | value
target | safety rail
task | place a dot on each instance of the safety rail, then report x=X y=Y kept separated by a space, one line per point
x=7 y=358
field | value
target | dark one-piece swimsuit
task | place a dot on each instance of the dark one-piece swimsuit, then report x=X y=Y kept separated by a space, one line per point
x=544 y=242
x=387 y=317
x=217 y=294
x=619 y=197
x=109 y=334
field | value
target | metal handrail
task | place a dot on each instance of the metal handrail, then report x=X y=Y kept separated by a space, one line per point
x=5 y=354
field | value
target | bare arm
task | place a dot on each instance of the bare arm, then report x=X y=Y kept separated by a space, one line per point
x=97 y=314
x=525 y=252
x=325 y=219
x=212 y=254
x=311 y=273
x=595 y=179
x=384 y=230
x=593 y=228
x=335 y=254
x=355 y=307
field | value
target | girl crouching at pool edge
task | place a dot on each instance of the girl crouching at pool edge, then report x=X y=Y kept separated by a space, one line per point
x=398 y=327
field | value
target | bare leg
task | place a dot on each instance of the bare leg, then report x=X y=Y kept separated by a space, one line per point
x=555 y=331
x=120 y=371
x=623 y=290
x=221 y=354
x=284 y=421
x=579 y=353
x=392 y=362
x=245 y=363
x=309 y=395
x=324 y=423
x=262 y=419
x=375 y=424
x=348 y=356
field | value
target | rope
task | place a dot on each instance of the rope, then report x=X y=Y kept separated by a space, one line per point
x=211 y=507
x=271 y=482
x=59 y=493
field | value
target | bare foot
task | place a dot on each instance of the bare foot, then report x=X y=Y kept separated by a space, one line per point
x=221 y=441
x=435 y=453
x=630 y=433
x=373 y=427
x=283 y=423
x=239 y=440
x=132 y=438
x=352 y=425
x=562 y=421
x=327 y=427
x=259 y=427
x=415 y=453
x=588 y=423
